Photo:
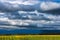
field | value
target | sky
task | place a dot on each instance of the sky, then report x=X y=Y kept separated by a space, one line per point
x=49 y=12
x=21 y=5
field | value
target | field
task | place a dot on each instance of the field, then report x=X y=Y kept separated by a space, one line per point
x=30 y=37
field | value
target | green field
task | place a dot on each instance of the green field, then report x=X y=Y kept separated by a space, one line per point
x=30 y=37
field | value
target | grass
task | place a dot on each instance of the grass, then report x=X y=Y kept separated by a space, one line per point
x=30 y=37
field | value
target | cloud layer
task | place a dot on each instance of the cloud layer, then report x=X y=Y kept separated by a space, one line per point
x=29 y=13
x=29 y=5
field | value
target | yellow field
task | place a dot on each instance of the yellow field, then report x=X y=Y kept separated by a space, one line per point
x=30 y=37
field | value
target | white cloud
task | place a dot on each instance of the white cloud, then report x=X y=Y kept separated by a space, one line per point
x=30 y=2
x=49 y=5
x=14 y=5
x=53 y=17
x=23 y=12
x=17 y=4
